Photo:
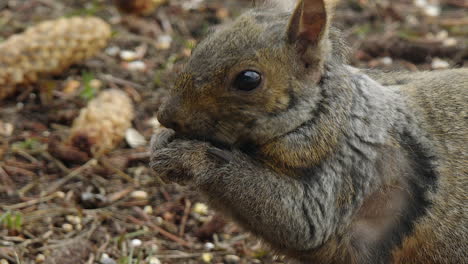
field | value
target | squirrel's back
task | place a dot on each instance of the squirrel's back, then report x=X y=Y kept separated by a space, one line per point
x=439 y=100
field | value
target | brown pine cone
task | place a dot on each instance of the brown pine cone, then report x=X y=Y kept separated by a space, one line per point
x=48 y=48
x=101 y=126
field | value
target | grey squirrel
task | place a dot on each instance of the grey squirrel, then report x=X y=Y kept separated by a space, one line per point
x=324 y=162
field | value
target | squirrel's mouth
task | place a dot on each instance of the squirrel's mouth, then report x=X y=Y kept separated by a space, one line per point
x=215 y=142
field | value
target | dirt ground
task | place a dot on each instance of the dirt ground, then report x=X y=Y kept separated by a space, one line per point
x=111 y=208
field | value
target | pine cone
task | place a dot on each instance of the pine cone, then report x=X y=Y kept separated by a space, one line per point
x=101 y=126
x=49 y=48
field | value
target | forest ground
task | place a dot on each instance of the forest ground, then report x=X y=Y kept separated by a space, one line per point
x=54 y=210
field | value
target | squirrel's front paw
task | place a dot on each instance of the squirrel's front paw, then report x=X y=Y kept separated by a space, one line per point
x=178 y=160
x=165 y=157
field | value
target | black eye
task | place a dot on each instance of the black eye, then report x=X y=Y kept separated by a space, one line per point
x=247 y=80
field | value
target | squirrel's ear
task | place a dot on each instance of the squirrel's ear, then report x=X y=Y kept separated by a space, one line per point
x=308 y=26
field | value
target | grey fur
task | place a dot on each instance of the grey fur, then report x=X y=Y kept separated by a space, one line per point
x=299 y=209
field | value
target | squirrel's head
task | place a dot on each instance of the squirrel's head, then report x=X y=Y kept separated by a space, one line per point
x=255 y=79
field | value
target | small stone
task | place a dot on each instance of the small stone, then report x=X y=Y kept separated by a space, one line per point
x=420 y=3
x=450 y=42
x=386 y=61
x=6 y=129
x=431 y=10
x=164 y=42
x=139 y=195
x=159 y=220
x=154 y=260
x=200 y=208
x=209 y=246
x=78 y=227
x=441 y=35
x=4 y=261
x=67 y=227
x=134 y=138
x=95 y=84
x=148 y=209
x=135 y=243
x=71 y=86
x=105 y=259
x=112 y=51
x=19 y=105
x=73 y=219
x=40 y=258
x=60 y=195
x=128 y=55
x=207 y=257
x=439 y=64
x=154 y=248
x=231 y=259
x=136 y=66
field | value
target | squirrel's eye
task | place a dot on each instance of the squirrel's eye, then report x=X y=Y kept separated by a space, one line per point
x=247 y=80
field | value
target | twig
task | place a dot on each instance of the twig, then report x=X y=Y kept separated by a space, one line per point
x=58 y=163
x=183 y=255
x=70 y=176
x=8 y=183
x=122 y=174
x=117 y=80
x=31 y=202
x=160 y=231
x=183 y=222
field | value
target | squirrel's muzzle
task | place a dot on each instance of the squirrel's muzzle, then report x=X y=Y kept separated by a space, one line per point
x=167 y=114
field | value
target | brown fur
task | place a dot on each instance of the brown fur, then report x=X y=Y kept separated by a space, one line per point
x=326 y=163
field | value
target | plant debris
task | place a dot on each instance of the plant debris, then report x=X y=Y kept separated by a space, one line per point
x=73 y=191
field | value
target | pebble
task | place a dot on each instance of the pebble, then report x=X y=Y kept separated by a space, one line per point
x=154 y=260
x=67 y=227
x=105 y=259
x=148 y=209
x=134 y=138
x=431 y=10
x=40 y=258
x=128 y=55
x=4 y=261
x=6 y=129
x=231 y=259
x=209 y=246
x=60 y=194
x=450 y=42
x=441 y=35
x=154 y=248
x=139 y=195
x=207 y=257
x=136 y=66
x=439 y=64
x=386 y=61
x=200 y=208
x=71 y=86
x=73 y=219
x=95 y=84
x=159 y=220
x=112 y=51
x=420 y=3
x=164 y=42
x=135 y=242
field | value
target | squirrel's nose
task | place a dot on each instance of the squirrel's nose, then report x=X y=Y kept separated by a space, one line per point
x=167 y=116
